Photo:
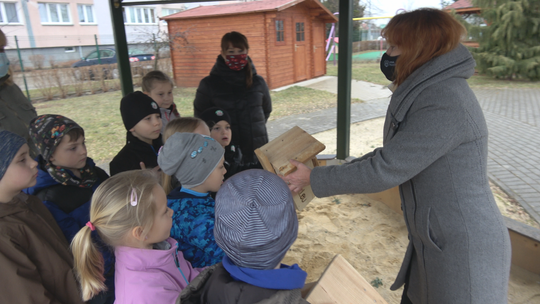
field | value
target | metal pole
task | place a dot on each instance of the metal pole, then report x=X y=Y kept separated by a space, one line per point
x=334 y=47
x=344 y=78
x=97 y=49
x=120 y=40
x=22 y=68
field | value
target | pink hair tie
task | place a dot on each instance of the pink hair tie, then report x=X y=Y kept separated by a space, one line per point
x=92 y=227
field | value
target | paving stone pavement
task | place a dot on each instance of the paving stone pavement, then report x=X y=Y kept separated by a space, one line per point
x=512 y=116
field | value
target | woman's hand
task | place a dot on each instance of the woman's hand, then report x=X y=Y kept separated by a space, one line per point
x=298 y=179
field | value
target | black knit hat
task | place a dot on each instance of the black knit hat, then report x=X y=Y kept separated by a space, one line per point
x=214 y=115
x=136 y=106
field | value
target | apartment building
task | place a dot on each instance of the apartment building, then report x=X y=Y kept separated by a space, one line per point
x=68 y=29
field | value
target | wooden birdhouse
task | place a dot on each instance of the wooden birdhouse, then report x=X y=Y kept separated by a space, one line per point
x=294 y=144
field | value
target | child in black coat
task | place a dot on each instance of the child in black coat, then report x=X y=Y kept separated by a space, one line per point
x=142 y=119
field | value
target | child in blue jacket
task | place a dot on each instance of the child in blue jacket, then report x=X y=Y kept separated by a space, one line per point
x=66 y=179
x=197 y=162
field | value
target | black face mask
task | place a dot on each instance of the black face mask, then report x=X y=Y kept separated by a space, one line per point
x=388 y=65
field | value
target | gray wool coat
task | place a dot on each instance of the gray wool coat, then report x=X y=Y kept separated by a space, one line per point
x=435 y=149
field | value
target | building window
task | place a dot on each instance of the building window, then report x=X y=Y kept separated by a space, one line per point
x=280 y=31
x=299 y=31
x=139 y=15
x=54 y=13
x=86 y=13
x=69 y=49
x=8 y=13
x=169 y=11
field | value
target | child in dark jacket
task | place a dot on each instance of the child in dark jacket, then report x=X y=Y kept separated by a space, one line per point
x=34 y=256
x=197 y=162
x=142 y=119
x=67 y=178
x=255 y=225
x=219 y=123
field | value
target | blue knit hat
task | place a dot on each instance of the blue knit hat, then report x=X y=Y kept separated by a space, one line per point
x=256 y=221
x=10 y=143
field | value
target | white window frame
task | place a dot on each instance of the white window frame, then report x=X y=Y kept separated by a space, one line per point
x=58 y=11
x=85 y=8
x=167 y=11
x=3 y=12
x=69 y=49
x=137 y=16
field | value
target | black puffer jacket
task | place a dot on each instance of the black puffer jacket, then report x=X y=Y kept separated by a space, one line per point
x=214 y=285
x=249 y=109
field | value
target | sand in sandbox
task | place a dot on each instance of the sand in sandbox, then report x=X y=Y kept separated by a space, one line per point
x=367 y=233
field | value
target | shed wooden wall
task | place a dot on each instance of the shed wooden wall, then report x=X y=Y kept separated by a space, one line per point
x=274 y=62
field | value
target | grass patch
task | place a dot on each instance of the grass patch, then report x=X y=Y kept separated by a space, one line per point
x=298 y=100
x=99 y=114
x=371 y=72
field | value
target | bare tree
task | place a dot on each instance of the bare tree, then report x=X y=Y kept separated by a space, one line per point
x=161 y=41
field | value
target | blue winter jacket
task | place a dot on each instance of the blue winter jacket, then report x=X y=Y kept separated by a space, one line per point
x=71 y=210
x=193 y=226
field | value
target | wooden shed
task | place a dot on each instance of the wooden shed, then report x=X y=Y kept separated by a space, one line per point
x=286 y=39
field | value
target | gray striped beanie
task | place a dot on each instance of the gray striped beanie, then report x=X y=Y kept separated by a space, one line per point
x=256 y=221
x=10 y=143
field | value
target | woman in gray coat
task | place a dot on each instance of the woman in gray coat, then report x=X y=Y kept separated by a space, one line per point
x=435 y=149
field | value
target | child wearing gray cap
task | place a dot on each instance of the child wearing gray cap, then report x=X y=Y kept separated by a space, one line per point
x=255 y=225
x=34 y=256
x=197 y=162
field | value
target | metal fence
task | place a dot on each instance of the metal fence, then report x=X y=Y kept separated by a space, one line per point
x=47 y=71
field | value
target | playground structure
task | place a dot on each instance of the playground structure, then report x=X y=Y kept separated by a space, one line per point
x=332 y=39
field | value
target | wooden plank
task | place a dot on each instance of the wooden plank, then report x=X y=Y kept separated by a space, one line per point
x=340 y=283
x=264 y=161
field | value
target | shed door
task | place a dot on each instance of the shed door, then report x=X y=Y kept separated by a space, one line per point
x=300 y=55
x=318 y=49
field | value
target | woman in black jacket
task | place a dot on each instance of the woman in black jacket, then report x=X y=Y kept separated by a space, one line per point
x=234 y=86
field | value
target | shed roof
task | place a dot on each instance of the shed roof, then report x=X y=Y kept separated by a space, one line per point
x=463 y=7
x=459 y=4
x=251 y=7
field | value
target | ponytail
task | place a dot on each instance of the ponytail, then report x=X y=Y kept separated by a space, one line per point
x=166 y=183
x=89 y=264
x=249 y=73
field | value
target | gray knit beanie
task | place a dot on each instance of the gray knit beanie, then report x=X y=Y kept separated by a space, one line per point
x=10 y=143
x=256 y=221
x=190 y=157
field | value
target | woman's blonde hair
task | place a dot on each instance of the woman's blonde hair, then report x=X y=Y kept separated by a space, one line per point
x=120 y=204
x=421 y=35
x=181 y=124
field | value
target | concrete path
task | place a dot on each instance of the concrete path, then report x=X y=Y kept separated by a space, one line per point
x=513 y=118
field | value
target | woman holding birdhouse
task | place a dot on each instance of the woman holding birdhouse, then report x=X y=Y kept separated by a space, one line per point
x=234 y=86
x=435 y=149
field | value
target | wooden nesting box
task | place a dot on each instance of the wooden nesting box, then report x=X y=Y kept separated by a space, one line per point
x=294 y=144
x=340 y=283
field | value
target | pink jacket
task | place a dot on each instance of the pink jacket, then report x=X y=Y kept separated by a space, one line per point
x=151 y=275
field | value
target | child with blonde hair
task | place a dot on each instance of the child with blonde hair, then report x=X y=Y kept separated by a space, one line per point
x=159 y=86
x=129 y=213
x=197 y=162
x=181 y=125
